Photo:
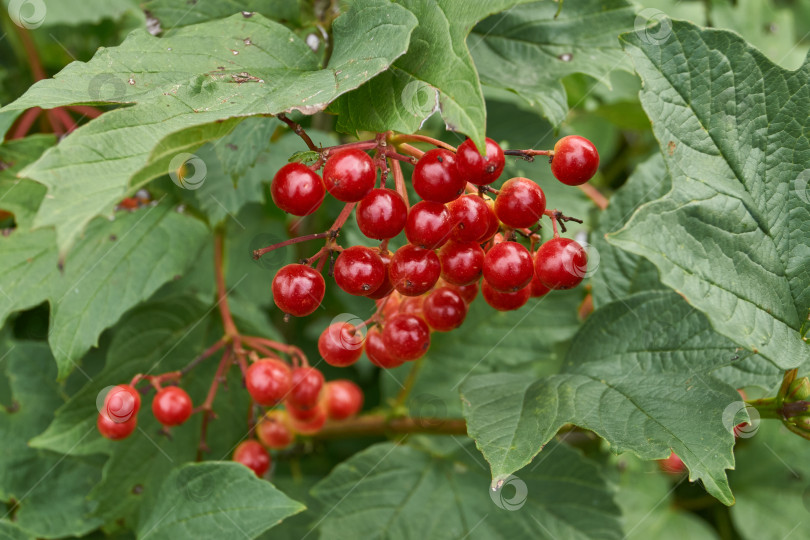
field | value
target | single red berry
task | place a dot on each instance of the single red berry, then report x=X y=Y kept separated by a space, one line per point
x=444 y=309
x=311 y=425
x=302 y=415
x=341 y=344
x=508 y=267
x=537 y=287
x=377 y=352
x=478 y=169
x=505 y=301
x=297 y=190
x=406 y=336
x=381 y=214
x=273 y=430
x=359 y=270
x=390 y=306
x=493 y=223
x=672 y=465
x=467 y=292
x=344 y=399
x=298 y=289
x=115 y=430
x=428 y=225
x=121 y=403
x=307 y=383
x=435 y=177
x=561 y=263
x=471 y=216
x=386 y=287
x=414 y=270
x=252 y=455
x=171 y=406
x=462 y=263
x=268 y=381
x=520 y=203
x=412 y=305
x=349 y=175
x=575 y=160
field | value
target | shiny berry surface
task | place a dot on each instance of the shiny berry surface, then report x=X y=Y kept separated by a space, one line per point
x=268 y=381
x=359 y=270
x=561 y=263
x=378 y=354
x=341 y=344
x=386 y=287
x=505 y=301
x=471 y=217
x=508 y=267
x=467 y=292
x=307 y=383
x=381 y=214
x=414 y=270
x=520 y=203
x=344 y=399
x=298 y=289
x=309 y=426
x=462 y=263
x=115 y=431
x=428 y=225
x=252 y=455
x=349 y=175
x=171 y=406
x=273 y=430
x=412 y=305
x=435 y=177
x=406 y=336
x=575 y=160
x=478 y=169
x=297 y=190
x=121 y=403
x=444 y=309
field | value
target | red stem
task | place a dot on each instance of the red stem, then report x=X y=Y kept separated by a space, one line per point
x=259 y=252
x=410 y=150
x=399 y=181
x=86 y=110
x=25 y=122
x=594 y=195
x=396 y=139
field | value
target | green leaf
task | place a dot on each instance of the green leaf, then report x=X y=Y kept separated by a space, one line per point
x=393 y=491
x=9 y=531
x=215 y=500
x=29 y=262
x=731 y=236
x=21 y=196
x=174 y=13
x=527 y=50
x=47 y=13
x=241 y=149
x=647 y=392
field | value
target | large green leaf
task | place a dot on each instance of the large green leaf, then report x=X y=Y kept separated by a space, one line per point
x=33 y=14
x=21 y=196
x=527 y=50
x=637 y=374
x=173 y=13
x=391 y=491
x=215 y=500
x=731 y=236
x=9 y=531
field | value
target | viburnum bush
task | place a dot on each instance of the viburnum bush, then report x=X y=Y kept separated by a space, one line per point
x=404 y=269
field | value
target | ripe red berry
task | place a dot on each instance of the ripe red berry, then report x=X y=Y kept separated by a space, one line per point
x=115 y=430
x=493 y=223
x=341 y=344
x=414 y=270
x=462 y=263
x=672 y=465
x=471 y=216
x=406 y=336
x=252 y=455
x=312 y=425
x=467 y=292
x=268 y=381
x=428 y=225
x=412 y=305
x=381 y=214
x=508 y=267
x=273 y=430
x=561 y=263
x=344 y=399
x=386 y=287
x=478 y=169
x=505 y=301
x=121 y=403
x=349 y=175
x=575 y=160
x=444 y=309
x=377 y=352
x=520 y=203
x=307 y=383
x=171 y=406
x=435 y=177
x=359 y=270
x=298 y=289
x=537 y=287
x=297 y=190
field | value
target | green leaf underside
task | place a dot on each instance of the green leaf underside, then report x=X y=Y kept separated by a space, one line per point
x=21 y=196
x=645 y=391
x=45 y=13
x=390 y=491
x=731 y=236
x=175 y=13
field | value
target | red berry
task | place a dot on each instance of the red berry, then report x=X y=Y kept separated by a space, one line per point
x=386 y=287
x=435 y=178
x=537 y=287
x=478 y=169
x=298 y=289
x=121 y=403
x=505 y=301
x=520 y=203
x=412 y=305
x=462 y=263
x=359 y=270
x=508 y=267
x=377 y=352
x=171 y=406
x=349 y=175
x=414 y=270
x=307 y=383
x=575 y=160
x=273 y=430
x=672 y=465
x=341 y=344
x=115 y=430
x=444 y=309
x=381 y=214
x=471 y=216
x=493 y=223
x=344 y=399
x=312 y=425
x=467 y=292
x=302 y=415
x=428 y=225
x=560 y=263
x=268 y=381
x=297 y=190
x=252 y=455
x=406 y=336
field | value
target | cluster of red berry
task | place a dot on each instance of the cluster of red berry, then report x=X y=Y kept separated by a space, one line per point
x=118 y=415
